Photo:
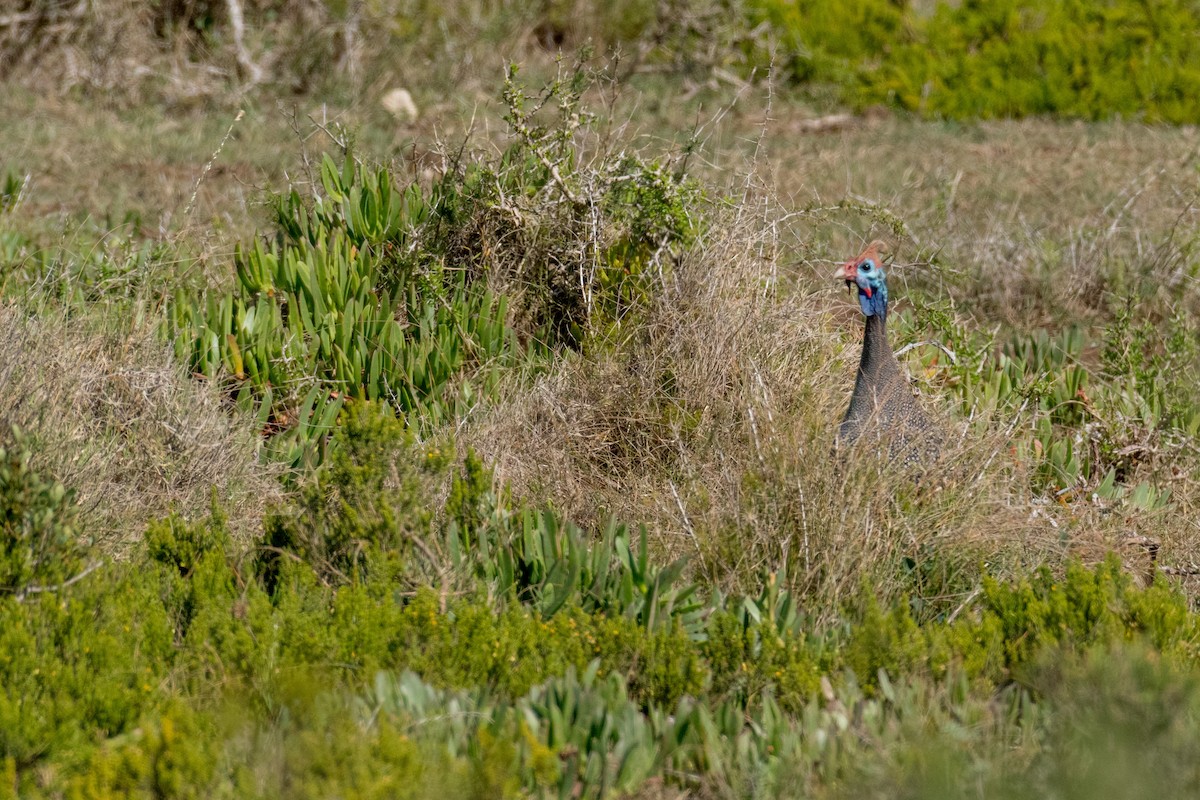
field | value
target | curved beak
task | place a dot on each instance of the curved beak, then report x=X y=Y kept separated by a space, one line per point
x=848 y=273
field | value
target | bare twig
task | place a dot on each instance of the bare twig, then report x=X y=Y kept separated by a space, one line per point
x=10 y=20
x=949 y=353
x=250 y=71
x=213 y=160
x=687 y=523
x=954 y=614
x=28 y=590
x=832 y=122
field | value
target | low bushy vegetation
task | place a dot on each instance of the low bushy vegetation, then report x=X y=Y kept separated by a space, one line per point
x=523 y=659
x=994 y=59
x=504 y=469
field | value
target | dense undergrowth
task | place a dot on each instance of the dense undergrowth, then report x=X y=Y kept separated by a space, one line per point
x=381 y=642
x=997 y=59
x=557 y=515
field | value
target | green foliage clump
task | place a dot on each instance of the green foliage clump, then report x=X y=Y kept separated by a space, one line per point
x=374 y=291
x=39 y=543
x=1093 y=426
x=824 y=40
x=168 y=755
x=335 y=309
x=585 y=234
x=981 y=58
x=83 y=663
x=1068 y=57
x=1019 y=623
x=367 y=499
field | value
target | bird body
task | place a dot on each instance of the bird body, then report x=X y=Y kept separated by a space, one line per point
x=882 y=405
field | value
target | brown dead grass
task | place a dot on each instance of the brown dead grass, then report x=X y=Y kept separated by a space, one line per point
x=713 y=424
x=114 y=417
x=1026 y=224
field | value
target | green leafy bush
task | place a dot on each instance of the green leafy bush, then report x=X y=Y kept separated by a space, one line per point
x=1010 y=58
x=514 y=695
x=39 y=543
x=369 y=291
x=1069 y=57
x=824 y=40
x=81 y=664
x=329 y=313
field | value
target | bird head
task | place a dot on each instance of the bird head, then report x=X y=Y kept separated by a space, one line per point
x=865 y=272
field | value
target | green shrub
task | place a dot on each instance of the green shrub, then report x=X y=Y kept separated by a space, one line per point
x=823 y=40
x=112 y=686
x=369 y=498
x=982 y=58
x=1069 y=57
x=369 y=291
x=80 y=665
x=170 y=754
x=39 y=543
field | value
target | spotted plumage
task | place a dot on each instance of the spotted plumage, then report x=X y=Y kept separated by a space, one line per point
x=882 y=407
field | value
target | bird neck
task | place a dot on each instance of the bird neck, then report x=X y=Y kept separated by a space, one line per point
x=877 y=356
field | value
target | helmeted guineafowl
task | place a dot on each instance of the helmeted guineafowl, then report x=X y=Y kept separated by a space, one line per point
x=882 y=407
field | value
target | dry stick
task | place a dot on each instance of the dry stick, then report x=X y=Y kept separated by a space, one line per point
x=949 y=353
x=208 y=167
x=687 y=525
x=9 y=20
x=252 y=71
x=754 y=433
x=832 y=122
x=340 y=141
x=954 y=614
x=1187 y=571
x=20 y=596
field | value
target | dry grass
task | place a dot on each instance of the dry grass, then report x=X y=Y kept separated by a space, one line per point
x=713 y=424
x=1027 y=224
x=114 y=417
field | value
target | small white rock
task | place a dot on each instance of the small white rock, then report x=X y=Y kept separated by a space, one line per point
x=400 y=105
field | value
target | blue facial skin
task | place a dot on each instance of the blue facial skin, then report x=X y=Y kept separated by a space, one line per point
x=869 y=277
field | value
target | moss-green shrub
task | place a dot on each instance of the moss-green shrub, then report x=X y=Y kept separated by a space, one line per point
x=112 y=686
x=983 y=58
x=371 y=497
x=170 y=754
x=747 y=660
x=1020 y=622
x=823 y=40
x=80 y=665
x=39 y=543
x=1069 y=57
